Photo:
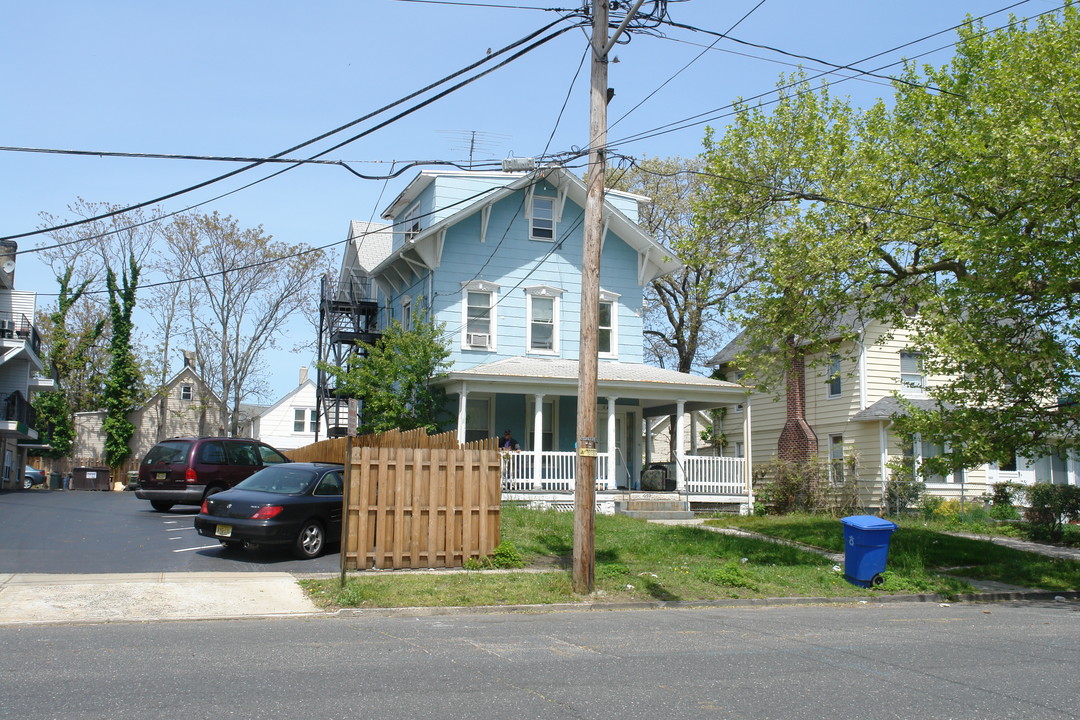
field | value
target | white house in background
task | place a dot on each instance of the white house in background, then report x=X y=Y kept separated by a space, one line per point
x=20 y=364
x=850 y=400
x=292 y=421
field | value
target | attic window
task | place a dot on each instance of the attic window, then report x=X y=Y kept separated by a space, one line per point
x=542 y=218
x=185 y=392
x=412 y=223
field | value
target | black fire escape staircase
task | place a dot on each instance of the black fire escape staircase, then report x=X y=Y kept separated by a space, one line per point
x=348 y=315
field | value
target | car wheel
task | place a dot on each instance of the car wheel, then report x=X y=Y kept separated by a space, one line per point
x=161 y=505
x=232 y=545
x=211 y=491
x=311 y=540
x=27 y=483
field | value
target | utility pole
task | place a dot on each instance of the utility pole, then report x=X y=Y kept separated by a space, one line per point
x=585 y=482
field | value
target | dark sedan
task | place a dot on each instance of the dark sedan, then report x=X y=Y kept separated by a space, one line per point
x=294 y=504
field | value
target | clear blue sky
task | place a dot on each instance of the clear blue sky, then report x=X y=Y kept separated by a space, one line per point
x=246 y=78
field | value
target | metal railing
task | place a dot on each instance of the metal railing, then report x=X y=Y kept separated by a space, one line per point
x=18 y=326
x=18 y=409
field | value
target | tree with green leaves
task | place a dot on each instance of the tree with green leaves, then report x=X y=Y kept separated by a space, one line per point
x=125 y=376
x=66 y=356
x=393 y=377
x=684 y=315
x=958 y=201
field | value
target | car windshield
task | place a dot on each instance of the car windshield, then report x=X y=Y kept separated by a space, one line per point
x=280 y=479
x=167 y=452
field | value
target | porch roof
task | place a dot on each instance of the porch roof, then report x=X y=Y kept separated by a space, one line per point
x=889 y=406
x=656 y=389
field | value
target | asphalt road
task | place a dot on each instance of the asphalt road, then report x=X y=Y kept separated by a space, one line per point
x=58 y=531
x=893 y=660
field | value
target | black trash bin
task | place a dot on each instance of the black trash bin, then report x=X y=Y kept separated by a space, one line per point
x=866 y=548
x=54 y=481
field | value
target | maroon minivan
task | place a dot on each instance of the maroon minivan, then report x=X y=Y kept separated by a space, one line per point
x=184 y=471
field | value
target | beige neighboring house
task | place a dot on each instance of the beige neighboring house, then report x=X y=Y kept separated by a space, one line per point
x=849 y=401
x=183 y=407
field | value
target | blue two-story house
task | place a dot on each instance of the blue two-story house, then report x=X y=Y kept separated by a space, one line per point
x=496 y=258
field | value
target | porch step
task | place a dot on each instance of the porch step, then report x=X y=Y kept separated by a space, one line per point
x=655 y=506
x=659 y=514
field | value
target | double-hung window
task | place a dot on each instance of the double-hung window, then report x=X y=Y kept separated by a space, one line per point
x=911 y=372
x=543 y=319
x=478 y=316
x=185 y=392
x=836 y=459
x=542 y=218
x=607 y=340
x=834 y=385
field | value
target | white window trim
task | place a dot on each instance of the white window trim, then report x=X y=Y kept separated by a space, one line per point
x=489 y=398
x=613 y=298
x=406 y=312
x=911 y=390
x=835 y=370
x=543 y=291
x=411 y=219
x=303 y=412
x=493 y=291
x=190 y=394
x=554 y=217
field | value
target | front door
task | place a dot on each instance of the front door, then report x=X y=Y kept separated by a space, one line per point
x=625 y=456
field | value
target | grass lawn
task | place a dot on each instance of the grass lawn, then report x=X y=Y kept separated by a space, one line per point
x=636 y=560
x=918 y=549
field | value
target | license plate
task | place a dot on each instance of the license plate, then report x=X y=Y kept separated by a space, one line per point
x=223 y=531
x=161 y=476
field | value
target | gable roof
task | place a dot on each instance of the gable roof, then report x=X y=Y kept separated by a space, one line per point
x=850 y=319
x=424 y=251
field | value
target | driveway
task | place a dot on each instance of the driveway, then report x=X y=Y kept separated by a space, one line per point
x=86 y=532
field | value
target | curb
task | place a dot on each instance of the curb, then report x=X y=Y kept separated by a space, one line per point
x=988 y=597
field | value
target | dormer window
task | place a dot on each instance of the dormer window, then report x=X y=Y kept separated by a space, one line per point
x=542 y=218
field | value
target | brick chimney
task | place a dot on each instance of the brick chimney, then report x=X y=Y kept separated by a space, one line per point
x=797 y=443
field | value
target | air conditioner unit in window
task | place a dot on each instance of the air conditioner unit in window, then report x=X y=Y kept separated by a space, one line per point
x=478 y=339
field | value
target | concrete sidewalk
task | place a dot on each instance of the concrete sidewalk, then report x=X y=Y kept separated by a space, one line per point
x=135 y=597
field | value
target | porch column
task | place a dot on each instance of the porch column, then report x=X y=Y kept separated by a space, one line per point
x=678 y=438
x=693 y=433
x=612 y=450
x=538 y=439
x=463 y=397
x=748 y=456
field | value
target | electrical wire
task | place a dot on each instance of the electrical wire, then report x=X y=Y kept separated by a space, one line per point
x=742 y=106
x=335 y=131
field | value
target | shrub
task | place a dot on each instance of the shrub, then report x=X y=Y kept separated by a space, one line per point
x=902 y=491
x=504 y=556
x=930 y=504
x=1050 y=507
x=1002 y=501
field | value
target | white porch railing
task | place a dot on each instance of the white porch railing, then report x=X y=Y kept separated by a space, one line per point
x=715 y=475
x=704 y=475
x=557 y=471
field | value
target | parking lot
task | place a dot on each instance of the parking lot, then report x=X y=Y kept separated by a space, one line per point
x=58 y=531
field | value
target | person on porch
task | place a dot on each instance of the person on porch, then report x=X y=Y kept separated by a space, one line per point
x=508 y=442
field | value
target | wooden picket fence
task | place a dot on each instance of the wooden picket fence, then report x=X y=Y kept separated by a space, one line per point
x=414 y=500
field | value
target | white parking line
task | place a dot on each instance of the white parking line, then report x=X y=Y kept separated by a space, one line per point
x=204 y=547
x=178 y=529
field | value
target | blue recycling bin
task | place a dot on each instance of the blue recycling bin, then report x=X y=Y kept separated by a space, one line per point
x=866 y=547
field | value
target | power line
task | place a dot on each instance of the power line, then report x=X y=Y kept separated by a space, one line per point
x=330 y=133
x=694 y=120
